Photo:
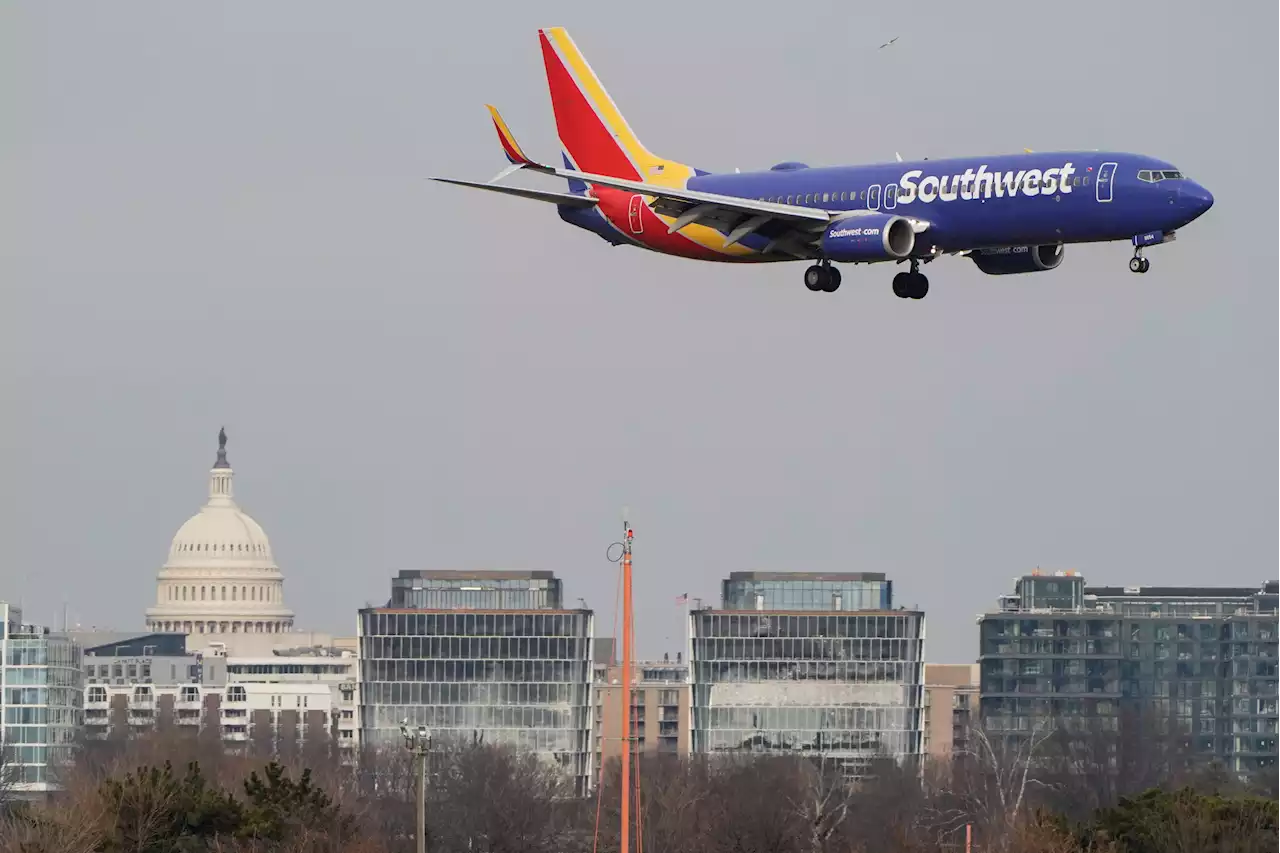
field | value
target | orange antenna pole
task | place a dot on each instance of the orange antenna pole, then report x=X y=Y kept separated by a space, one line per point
x=626 y=686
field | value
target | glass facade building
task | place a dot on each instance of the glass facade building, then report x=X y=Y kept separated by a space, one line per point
x=806 y=591
x=42 y=702
x=1198 y=661
x=493 y=590
x=843 y=685
x=472 y=672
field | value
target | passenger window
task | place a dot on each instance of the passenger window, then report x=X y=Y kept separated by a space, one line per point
x=826 y=197
x=844 y=196
x=788 y=199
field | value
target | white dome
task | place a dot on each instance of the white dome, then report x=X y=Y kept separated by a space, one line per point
x=218 y=535
x=221 y=578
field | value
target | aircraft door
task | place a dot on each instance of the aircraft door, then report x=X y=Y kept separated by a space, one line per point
x=633 y=214
x=873 y=197
x=1106 y=175
x=890 y=196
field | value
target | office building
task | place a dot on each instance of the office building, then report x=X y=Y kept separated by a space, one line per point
x=817 y=664
x=41 y=703
x=1200 y=662
x=139 y=684
x=480 y=656
x=950 y=708
x=660 y=715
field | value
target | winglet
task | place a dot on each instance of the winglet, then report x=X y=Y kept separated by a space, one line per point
x=509 y=145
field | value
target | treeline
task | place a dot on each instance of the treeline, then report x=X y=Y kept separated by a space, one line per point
x=164 y=793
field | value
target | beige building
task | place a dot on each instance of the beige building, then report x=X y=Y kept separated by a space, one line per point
x=660 y=710
x=950 y=706
x=277 y=702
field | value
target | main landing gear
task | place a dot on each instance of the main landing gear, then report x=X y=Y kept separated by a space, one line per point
x=911 y=285
x=1138 y=263
x=822 y=276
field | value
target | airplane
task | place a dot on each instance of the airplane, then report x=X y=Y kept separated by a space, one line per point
x=1009 y=213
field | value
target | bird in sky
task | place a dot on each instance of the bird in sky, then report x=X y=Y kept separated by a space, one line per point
x=889 y=42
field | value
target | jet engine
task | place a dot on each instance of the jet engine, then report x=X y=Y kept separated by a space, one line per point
x=1011 y=260
x=874 y=237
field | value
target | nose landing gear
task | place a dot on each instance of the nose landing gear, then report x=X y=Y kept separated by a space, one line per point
x=1138 y=263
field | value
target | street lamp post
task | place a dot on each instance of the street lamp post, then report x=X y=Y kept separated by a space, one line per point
x=419 y=743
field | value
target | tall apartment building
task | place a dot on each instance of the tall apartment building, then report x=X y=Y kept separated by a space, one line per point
x=480 y=656
x=139 y=684
x=40 y=704
x=1200 y=661
x=950 y=708
x=660 y=714
x=812 y=663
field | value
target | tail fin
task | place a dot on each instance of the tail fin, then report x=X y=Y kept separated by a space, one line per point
x=595 y=136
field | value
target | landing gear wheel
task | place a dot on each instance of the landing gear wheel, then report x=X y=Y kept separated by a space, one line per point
x=833 y=280
x=902 y=285
x=1139 y=264
x=1146 y=264
x=910 y=285
x=816 y=277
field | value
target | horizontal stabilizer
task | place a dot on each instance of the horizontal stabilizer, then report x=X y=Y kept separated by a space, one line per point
x=567 y=199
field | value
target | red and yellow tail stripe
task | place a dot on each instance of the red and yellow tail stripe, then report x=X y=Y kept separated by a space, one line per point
x=509 y=145
x=597 y=138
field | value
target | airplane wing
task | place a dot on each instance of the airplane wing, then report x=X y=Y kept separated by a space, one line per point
x=568 y=199
x=794 y=230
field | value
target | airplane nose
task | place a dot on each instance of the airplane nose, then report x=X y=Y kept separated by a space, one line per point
x=1197 y=198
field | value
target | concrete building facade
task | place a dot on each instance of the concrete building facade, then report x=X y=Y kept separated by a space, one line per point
x=660 y=710
x=950 y=708
x=152 y=683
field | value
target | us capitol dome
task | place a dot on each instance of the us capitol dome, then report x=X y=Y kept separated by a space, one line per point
x=221 y=584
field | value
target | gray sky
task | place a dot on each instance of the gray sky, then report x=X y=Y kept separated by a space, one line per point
x=217 y=214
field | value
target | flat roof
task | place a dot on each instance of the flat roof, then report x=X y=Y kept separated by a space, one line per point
x=1172 y=591
x=807 y=576
x=477 y=574
x=479 y=610
x=768 y=612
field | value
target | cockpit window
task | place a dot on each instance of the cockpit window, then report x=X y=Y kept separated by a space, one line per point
x=1153 y=177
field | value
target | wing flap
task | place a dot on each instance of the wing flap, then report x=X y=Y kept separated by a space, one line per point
x=790 y=212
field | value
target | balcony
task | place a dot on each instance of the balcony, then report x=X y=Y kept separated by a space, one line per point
x=147 y=719
x=188 y=704
x=235 y=736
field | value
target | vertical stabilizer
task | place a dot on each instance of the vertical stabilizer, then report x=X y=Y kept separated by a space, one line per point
x=594 y=135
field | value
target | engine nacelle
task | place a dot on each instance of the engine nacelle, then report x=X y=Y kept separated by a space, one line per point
x=874 y=237
x=1012 y=260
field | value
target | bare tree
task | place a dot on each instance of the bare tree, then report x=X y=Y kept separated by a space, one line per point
x=989 y=785
x=822 y=801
